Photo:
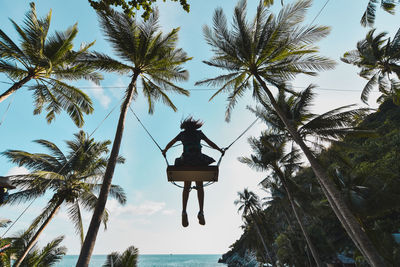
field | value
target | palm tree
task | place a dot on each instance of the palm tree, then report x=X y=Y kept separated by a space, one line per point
x=368 y=18
x=48 y=60
x=249 y=204
x=127 y=259
x=269 y=154
x=313 y=128
x=75 y=178
x=378 y=59
x=268 y=52
x=150 y=55
x=47 y=256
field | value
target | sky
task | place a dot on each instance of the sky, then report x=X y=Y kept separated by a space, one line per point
x=150 y=220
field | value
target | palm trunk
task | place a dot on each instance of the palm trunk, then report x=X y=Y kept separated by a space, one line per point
x=292 y=204
x=35 y=238
x=343 y=221
x=15 y=87
x=268 y=256
x=347 y=219
x=90 y=239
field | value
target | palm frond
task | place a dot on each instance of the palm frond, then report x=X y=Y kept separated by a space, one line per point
x=52 y=253
x=104 y=62
x=32 y=161
x=368 y=17
x=53 y=149
x=369 y=86
x=12 y=70
x=10 y=50
x=59 y=96
x=74 y=213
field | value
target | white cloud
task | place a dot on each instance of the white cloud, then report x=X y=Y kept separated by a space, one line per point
x=168 y=212
x=17 y=171
x=99 y=93
x=145 y=208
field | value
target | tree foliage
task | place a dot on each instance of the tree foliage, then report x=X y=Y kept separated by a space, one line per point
x=128 y=258
x=48 y=60
x=365 y=169
x=368 y=18
x=74 y=177
x=379 y=61
x=128 y=6
x=47 y=256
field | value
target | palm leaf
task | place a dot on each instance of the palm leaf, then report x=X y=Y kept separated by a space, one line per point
x=74 y=213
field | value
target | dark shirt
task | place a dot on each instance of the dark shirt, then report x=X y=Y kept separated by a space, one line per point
x=191 y=141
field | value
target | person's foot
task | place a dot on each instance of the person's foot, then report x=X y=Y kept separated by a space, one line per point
x=185 y=221
x=200 y=216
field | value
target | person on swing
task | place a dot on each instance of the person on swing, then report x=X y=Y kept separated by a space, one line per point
x=192 y=156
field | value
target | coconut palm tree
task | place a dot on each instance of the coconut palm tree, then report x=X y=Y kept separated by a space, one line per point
x=265 y=54
x=146 y=54
x=47 y=256
x=75 y=178
x=368 y=18
x=49 y=60
x=312 y=128
x=249 y=205
x=128 y=258
x=379 y=61
x=269 y=155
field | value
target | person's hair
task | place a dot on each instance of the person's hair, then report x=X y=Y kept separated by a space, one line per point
x=191 y=124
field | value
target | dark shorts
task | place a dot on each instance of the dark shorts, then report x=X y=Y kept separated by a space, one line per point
x=194 y=160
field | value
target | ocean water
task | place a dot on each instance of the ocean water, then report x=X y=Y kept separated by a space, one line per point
x=163 y=260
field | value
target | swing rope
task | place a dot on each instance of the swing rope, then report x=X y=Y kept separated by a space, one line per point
x=152 y=138
x=248 y=128
x=166 y=160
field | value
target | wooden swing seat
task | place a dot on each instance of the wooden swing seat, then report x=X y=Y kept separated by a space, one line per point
x=192 y=173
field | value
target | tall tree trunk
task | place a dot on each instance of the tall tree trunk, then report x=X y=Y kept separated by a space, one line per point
x=268 y=256
x=90 y=239
x=15 y=87
x=35 y=238
x=292 y=204
x=342 y=220
x=334 y=197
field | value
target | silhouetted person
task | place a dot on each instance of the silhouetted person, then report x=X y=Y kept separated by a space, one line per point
x=192 y=156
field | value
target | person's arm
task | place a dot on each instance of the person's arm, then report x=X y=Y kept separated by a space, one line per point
x=169 y=145
x=213 y=145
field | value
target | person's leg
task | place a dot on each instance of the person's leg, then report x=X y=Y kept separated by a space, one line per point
x=200 y=197
x=185 y=198
x=185 y=195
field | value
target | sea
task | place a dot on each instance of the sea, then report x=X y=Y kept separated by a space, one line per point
x=154 y=260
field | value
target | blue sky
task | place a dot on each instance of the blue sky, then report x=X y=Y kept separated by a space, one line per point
x=151 y=218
